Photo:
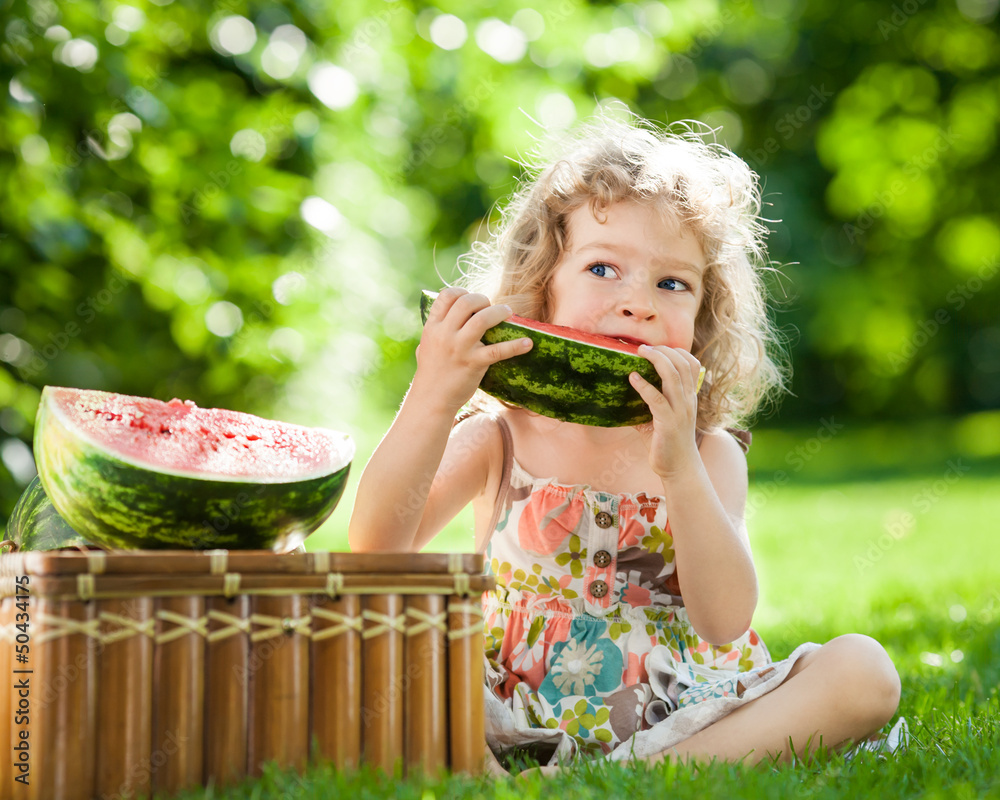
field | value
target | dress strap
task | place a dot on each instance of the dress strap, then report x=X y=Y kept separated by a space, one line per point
x=742 y=437
x=508 y=463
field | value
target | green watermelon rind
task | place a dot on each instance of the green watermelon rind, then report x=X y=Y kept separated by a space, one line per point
x=565 y=379
x=35 y=524
x=121 y=505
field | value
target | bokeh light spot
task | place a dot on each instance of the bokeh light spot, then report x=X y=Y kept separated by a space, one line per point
x=248 y=144
x=233 y=35
x=333 y=86
x=322 y=215
x=503 y=42
x=448 y=32
x=223 y=318
x=81 y=54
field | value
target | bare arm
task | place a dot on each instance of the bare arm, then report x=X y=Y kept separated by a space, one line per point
x=705 y=506
x=706 y=494
x=421 y=475
x=418 y=479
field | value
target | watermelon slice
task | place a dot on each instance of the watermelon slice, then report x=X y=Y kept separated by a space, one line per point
x=568 y=374
x=131 y=472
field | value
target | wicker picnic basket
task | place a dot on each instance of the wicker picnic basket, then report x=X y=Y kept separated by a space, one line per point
x=138 y=672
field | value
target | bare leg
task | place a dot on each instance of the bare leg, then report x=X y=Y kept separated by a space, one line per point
x=836 y=695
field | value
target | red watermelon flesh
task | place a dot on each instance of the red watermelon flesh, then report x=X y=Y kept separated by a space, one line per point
x=576 y=335
x=211 y=442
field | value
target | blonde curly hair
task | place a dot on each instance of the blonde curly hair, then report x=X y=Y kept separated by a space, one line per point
x=691 y=181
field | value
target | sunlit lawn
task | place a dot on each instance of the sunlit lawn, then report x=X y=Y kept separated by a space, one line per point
x=889 y=532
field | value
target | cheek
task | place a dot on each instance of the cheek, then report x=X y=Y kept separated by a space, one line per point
x=568 y=303
x=682 y=332
x=589 y=310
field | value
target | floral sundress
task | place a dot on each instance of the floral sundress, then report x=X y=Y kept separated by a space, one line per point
x=588 y=644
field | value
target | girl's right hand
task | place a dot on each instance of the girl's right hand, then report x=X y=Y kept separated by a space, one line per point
x=451 y=359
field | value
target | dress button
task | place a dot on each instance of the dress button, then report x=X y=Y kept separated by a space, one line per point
x=598 y=588
x=603 y=519
x=602 y=558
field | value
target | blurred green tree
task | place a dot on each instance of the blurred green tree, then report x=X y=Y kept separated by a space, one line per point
x=238 y=203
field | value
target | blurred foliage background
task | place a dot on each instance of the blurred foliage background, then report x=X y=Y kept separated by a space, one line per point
x=238 y=203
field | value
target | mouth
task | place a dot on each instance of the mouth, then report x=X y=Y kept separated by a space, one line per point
x=627 y=339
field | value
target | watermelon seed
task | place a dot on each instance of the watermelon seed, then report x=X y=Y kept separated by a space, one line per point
x=165 y=429
x=252 y=438
x=229 y=435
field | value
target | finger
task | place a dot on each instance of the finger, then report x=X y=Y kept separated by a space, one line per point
x=668 y=363
x=484 y=319
x=687 y=368
x=677 y=384
x=442 y=304
x=492 y=353
x=654 y=398
x=465 y=309
x=458 y=311
x=697 y=370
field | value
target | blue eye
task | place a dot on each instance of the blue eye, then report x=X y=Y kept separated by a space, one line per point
x=672 y=284
x=600 y=270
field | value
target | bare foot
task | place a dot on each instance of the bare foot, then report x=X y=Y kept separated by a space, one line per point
x=493 y=767
x=546 y=772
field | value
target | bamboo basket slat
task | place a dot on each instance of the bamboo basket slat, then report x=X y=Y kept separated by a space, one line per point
x=125 y=586
x=171 y=562
x=426 y=741
x=125 y=688
x=465 y=692
x=63 y=704
x=163 y=671
x=382 y=702
x=79 y=681
x=336 y=680
x=179 y=675
x=279 y=686
x=226 y=677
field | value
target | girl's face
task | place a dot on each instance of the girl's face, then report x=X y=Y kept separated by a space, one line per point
x=631 y=276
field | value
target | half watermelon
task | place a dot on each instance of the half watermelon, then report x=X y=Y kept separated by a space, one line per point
x=131 y=472
x=568 y=374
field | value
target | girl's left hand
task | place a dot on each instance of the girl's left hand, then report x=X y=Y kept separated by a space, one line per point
x=671 y=435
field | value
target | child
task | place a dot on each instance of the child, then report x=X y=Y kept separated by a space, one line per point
x=620 y=625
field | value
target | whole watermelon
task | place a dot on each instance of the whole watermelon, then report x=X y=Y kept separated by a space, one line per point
x=36 y=525
x=133 y=472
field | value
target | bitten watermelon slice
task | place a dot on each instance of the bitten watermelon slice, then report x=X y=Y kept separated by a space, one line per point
x=568 y=374
x=35 y=524
x=131 y=472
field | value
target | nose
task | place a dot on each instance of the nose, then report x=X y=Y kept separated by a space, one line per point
x=636 y=302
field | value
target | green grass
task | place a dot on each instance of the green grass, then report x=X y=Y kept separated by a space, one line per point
x=867 y=535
